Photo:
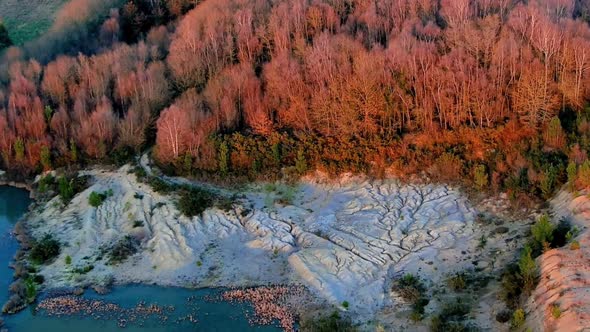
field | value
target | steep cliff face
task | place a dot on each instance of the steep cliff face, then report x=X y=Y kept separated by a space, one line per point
x=561 y=301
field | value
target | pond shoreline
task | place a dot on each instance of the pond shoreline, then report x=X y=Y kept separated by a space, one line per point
x=93 y=298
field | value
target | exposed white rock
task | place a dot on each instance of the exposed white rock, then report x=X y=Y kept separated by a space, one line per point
x=346 y=240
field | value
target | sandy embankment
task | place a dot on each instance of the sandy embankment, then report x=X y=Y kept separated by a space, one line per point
x=564 y=274
x=345 y=240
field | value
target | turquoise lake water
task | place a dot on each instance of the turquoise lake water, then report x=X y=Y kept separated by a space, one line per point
x=210 y=315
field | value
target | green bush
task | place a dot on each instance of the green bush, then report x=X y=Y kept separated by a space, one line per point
x=451 y=317
x=96 y=199
x=160 y=186
x=583 y=178
x=542 y=232
x=122 y=155
x=139 y=172
x=528 y=270
x=84 y=269
x=555 y=311
x=45 y=156
x=126 y=247
x=44 y=250
x=66 y=189
x=68 y=260
x=69 y=186
x=300 y=162
x=46 y=184
x=511 y=286
x=223 y=158
x=345 y=304
x=412 y=289
x=30 y=290
x=480 y=176
x=518 y=319
x=409 y=287
x=547 y=182
x=457 y=282
x=572 y=174
x=330 y=323
x=194 y=202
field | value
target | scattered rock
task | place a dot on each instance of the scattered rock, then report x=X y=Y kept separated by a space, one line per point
x=101 y=290
x=78 y=291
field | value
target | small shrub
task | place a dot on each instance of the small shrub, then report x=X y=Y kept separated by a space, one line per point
x=409 y=287
x=300 y=162
x=583 y=177
x=224 y=203
x=482 y=242
x=122 y=250
x=137 y=223
x=528 y=270
x=572 y=174
x=575 y=245
x=224 y=158
x=555 y=311
x=122 y=155
x=480 y=176
x=84 y=269
x=68 y=260
x=451 y=317
x=194 y=202
x=30 y=290
x=96 y=199
x=139 y=172
x=330 y=323
x=46 y=184
x=412 y=289
x=457 y=282
x=345 y=304
x=66 y=189
x=415 y=316
x=512 y=286
x=45 y=250
x=199 y=263
x=542 y=232
x=518 y=318
x=160 y=186
x=38 y=279
x=69 y=187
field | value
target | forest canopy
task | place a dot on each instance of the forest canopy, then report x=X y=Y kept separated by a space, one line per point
x=495 y=89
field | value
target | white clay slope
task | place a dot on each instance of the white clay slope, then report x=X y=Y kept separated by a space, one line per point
x=345 y=240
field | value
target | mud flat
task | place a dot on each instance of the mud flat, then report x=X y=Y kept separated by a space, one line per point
x=345 y=240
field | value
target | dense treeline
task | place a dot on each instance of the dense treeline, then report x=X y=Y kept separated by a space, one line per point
x=492 y=89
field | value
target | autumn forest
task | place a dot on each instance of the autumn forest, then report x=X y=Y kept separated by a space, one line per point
x=493 y=93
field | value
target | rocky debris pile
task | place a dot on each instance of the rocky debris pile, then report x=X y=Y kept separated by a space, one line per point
x=270 y=304
x=72 y=305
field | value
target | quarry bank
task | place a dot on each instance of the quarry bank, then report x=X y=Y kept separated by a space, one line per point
x=345 y=240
